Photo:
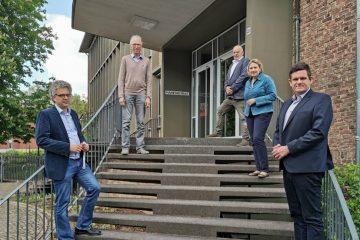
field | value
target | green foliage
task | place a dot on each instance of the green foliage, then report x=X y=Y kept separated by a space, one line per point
x=23 y=152
x=79 y=105
x=348 y=177
x=25 y=43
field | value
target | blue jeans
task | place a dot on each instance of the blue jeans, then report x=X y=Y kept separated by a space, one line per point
x=257 y=126
x=87 y=180
x=303 y=192
x=137 y=102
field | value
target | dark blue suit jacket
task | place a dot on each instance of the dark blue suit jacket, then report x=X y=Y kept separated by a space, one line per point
x=306 y=134
x=237 y=80
x=51 y=135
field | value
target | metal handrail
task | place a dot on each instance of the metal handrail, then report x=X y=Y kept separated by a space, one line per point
x=151 y=128
x=337 y=218
x=272 y=126
x=36 y=218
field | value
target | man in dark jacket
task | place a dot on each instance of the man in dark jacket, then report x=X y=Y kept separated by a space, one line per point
x=58 y=132
x=234 y=89
x=301 y=145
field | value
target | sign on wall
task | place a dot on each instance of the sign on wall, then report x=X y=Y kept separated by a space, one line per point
x=176 y=93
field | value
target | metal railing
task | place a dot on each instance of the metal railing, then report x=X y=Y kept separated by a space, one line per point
x=152 y=128
x=27 y=212
x=338 y=223
x=272 y=126
x=100 y=132
x=16 y=168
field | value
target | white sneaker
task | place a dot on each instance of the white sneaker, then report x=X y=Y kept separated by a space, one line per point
x=125 y=151
x=142 y=151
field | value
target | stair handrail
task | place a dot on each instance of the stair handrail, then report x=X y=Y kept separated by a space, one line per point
x=272 y=126
x=100 y=108
x=101 y=130
x=335 y=207
x=152 y=128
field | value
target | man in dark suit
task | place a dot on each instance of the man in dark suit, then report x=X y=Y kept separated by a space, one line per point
x=301 y=144
x=234 y=86
x=58 y=132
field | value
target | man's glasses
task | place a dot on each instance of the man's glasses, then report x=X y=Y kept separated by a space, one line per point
x=63 y=95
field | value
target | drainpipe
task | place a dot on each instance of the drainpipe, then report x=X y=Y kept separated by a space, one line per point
x=297 y=31
x=357 y=138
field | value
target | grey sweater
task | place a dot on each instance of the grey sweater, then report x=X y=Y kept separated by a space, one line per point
x=134 y=77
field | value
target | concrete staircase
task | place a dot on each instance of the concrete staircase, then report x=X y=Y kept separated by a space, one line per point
x=190 y=189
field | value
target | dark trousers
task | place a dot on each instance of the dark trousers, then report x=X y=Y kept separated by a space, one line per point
x=303 y=192
x=257 y=126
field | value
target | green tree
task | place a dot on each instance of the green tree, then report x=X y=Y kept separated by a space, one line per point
x=79 y=105
x=25 y=43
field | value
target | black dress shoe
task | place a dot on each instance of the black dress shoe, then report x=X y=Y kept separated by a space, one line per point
x=89 y=232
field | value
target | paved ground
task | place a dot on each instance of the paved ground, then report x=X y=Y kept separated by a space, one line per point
x=24 y=224
x=6 y=188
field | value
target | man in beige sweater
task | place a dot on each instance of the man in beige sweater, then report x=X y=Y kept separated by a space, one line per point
x=134 y=92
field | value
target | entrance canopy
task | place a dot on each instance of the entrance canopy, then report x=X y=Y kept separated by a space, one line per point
x=157 y=21
x=175 y=24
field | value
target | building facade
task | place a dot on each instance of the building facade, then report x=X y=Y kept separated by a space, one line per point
x=328 y=44
x=191 y=44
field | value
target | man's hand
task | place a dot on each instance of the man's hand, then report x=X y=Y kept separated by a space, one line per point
x=147 y=102
x=85 y=146
x=279 y=152
x=122 y=101
x=76 y=148
x=251 y=101
x=229 y=91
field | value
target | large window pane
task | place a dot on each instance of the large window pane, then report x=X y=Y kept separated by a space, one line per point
x=204 y=54
x=242 y=32
x=228 y=40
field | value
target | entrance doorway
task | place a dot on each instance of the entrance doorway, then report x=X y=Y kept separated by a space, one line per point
x=202 y=100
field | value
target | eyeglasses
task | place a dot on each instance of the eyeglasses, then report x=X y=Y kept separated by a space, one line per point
x=63 y=95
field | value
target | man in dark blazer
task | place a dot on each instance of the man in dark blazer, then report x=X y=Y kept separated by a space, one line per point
x=301 y=144
x=58 y=132
x=234 y=86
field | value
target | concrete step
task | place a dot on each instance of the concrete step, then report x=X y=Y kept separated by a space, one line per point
x=185 y=167
x=195 y=192
x=219 y=141
x=191 y=149
x=196 y=226
x=192 y=179
x=117 y=235
x=189 y=158
x=194 y=207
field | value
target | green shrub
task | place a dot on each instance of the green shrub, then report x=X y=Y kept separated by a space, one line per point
x=25 y=152
x=349 y=179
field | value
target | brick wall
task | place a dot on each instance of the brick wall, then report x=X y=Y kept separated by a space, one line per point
x=328 y=44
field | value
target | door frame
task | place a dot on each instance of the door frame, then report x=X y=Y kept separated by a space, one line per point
x=195 y=99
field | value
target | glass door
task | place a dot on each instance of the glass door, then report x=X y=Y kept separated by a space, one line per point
x=202 y=100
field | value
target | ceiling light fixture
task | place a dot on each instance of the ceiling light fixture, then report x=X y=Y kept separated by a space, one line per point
x=142 y=22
